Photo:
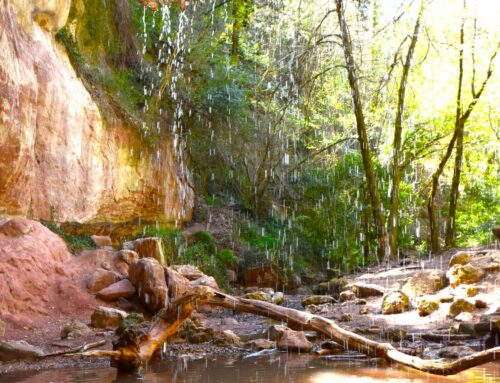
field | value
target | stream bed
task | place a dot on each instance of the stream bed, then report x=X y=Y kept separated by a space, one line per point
x=273 y=368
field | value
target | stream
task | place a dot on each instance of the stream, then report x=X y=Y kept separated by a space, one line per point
x=277 y=367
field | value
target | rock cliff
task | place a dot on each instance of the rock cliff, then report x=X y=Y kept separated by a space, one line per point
x=60 y=159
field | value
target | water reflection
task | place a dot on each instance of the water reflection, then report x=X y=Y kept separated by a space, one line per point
x=275 y=368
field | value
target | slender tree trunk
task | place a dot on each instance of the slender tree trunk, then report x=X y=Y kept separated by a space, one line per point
x=237 y=24
x=431 y=203
x=364 y=143
x=460 y=121
x=393 y=224
x=450 y=221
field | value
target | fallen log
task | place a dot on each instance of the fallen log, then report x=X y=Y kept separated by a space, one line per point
x=77 y=349
x=136 y=350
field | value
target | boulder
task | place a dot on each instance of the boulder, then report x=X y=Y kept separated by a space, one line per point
x=188 y=271
x=176 y=283
x=260 y=344
x=232 y=277
x=278 y=298
x=121 y=289
x=427 y=305
x=122 y=268
x=35 y=278
x=317 y=300
x=150 y=247
x=464 y=317
x=333 y=287
x=107 y=317
x=365 y=290
x=480 y=304
x=200 y=337
x=226 y=338
x=74 y=329
x=461 y=305
x=205 y=280
x=101 y=279
x=467 y=274
x=18 y=350
x=364 y=310
x=128 y=256
x=455 y=352
x=483 y=327
x=229 y=322
x=148 y=277
x=275 y=332
x=425 y=282
x=16 y=227
x=294 y=341
x=102 y=240
x=465 y=328
x=261 y=276
x=395 y=302
x=259 y=296
x=489 y=262
x=345 y=317
x=320 y=309
x=472 y=291
x=461 y=258
x=347 y=296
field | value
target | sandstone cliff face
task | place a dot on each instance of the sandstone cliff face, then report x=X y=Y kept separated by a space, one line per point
x=58 y=159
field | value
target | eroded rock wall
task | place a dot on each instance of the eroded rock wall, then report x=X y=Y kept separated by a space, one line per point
x=58 y=159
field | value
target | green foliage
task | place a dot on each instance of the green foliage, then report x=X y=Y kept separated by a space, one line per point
x=74 y=54
x=479 y=207
x=76 y=243
x=228 y=258
x=208 y=260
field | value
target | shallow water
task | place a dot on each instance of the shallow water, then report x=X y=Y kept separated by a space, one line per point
x=274 y=368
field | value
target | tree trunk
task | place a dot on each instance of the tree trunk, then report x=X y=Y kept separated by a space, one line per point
x=364 y=142
x=133 y=351
x=431 y=202
x=393 y=225
x=237 y=14
x=450 y=221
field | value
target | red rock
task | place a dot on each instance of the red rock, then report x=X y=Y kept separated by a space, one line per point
x=16 y=227
x=148 y=277
x=294 y=341
x=121 y=289
x=128 y=256
x=59 y=158
x=102 y=240
x=101 y=279
x=188 y=271
x=205 y=281
x=36 y=275
x=148 y=248
x=177 y=284
x=261 y=276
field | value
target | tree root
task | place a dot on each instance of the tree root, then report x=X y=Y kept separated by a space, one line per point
x=132 y=351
